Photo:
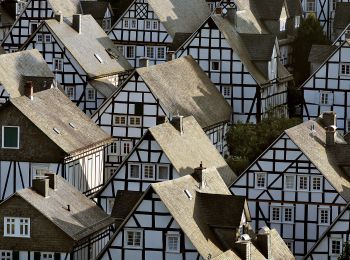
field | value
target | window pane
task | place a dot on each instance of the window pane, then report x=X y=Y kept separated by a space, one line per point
x=163 y=172
x=10 y=136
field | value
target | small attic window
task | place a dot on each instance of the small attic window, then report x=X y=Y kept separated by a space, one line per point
x=188 y=194
x=98 y=58
x=56 y=130
x=72 y=125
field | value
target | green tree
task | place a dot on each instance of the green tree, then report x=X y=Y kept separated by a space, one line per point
x=345 y=255
x=247 y=141
x=310 y=32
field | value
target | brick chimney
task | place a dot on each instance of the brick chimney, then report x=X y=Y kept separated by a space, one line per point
x=243 y=246
x=177 y=122
x=59 y=17
x=264 y=242
x=330 y=135
x=329 y=118
x=28 y=89
x=41 y=186
x=52 y=180
x=143 y=62
x=77 y=22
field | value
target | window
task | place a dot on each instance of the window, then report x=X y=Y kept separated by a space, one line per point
x=5 y=255
x=39 y=38
x=173 y=242
x=16 y=227
x=345 y=69
x=133 y=238
x=289 y=244
x=275 y=214
x=316 y=183
x=303 y=182
x=126 y=147
x=120 y=120
x=58 y=64
x=334 y=4
x=260 y=180
x=33 y=27
x=113 y=148
x=47 y=256
x=120 y=48
x=289 y=182
x=10 y=137
x=106 y=24
x=134 y=171
x=130 y=52
x=134 y=120
x=325 y=98
x=70 y=92
x=48 y=38
x=147 y=24
x=335 y=244
x=163 y=172
x=161 y=53
x=148 y=172
x=288 y=214
x=90 y=94
x=226 y=91
x=310 y=6
x=283 y=25
x=215 y=65
x=130 y=23
x=152 y=25
x=150 y=52
x=323 y=218
x=297 y=22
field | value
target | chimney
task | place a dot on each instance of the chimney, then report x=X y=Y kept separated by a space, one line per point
x=28 y=89
x=77 y=22
x=264 y=242
x=170 y=55
x=41 y=186
x=59 y=17
x=231 y=14
x=329 y=118
x=177 y=122
x=243 y=246
x=52 y=180
x=143 y=62
x=199 y=176
x=330 y=135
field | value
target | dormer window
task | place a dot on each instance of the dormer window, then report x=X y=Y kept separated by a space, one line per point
x=283 y=25
x=10 y=137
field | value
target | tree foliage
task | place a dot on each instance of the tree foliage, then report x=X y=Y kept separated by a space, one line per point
x=310 y=32
x=247 y=141
x=345 y=255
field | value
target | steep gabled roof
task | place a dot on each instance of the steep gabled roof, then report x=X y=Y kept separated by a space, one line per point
x=96 y=8
x=342 y=15
x=16 y=68
x=294 y=8
x=267 y=9
x=186 y=151
x=319 y=53
x=259 y=46
x=84 y=217
x=51 y=111
x=66 y=7
x=89 y=46
x=183 y=88
x=180 y=16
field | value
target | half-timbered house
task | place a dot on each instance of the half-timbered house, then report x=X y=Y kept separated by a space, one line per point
x=45 y=130
x=345 y=34
x=318 y=54
x=6 y=21
x=18 y=68
x=154 y=93
x=243 y=63
x=327 y=88
x=52 y=220
x=193 y=217
x=84 y=60
x=100 y=10
x=332 y=242
x=297 y=186
x=148 y=28
x=167 y=151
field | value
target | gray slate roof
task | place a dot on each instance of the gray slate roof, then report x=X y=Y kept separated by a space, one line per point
x=188 y=150
x=266 y=9
x=66 y=7
x=84 y=217
x=342 y=15
x=259 y=46
x=96 y=8
x=314 y=148
x=180 y=16
x=184 y=88
x=319 y=53
x=85 y=46
x=51 y=109
x=16 y=68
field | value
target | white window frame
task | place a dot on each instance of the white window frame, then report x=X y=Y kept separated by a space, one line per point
x=134 y=117
x=106 y=24
x=326 y=98
x=298 y=182
x=284 y=214
x=57 y=64
x=70 y=88
x=312 y=4
x=312 y=183
x=119 y=116
x=3 y=137
x=129 y=171
x=17 y=226
x=285 y=181
x=256 y=180
x=49 y=256
x=168 y=169
x=346 y=69
x=126 y=230
x=130 y=23
x=164 y=51
x=113 y=149
x=172 y=234
x=87 y=94
x=122 y=147
x=283 y=23
x=41 y=40
x=279 y=214
x=126 y=51
x=47 y=38
x=320 y=210
x=211 y=65
x=226 y=91
x=149 y=52
x=7 y=256
x=331 y=248
x=153 y=171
